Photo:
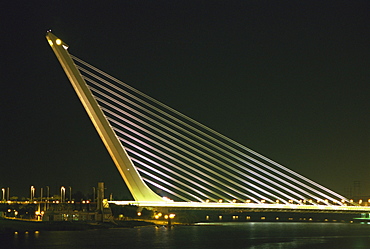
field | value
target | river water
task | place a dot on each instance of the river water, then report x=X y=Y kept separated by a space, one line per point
x=216 y=235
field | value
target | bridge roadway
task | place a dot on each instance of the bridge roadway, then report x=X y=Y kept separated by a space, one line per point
x=249 y=206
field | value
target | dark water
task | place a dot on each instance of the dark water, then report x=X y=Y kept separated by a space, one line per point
x=220 y=235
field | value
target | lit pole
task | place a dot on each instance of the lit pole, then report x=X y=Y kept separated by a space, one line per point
x=3 y=190
x=47 y=197
x=70 y=193
x=62 y=194
x=8 y=194
x=32 y=193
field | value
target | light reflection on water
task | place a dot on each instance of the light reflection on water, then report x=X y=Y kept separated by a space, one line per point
x=212 y=235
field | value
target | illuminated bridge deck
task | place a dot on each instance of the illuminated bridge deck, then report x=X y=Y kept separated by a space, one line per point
x=248 y=206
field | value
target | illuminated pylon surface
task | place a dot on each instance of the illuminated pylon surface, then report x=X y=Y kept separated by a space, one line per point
x=154 y=145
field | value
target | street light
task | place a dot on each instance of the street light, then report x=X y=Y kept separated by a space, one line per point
x=3 y=190
x=62 y=194
x=47 y=197
x=41 y=194
x=32 y=193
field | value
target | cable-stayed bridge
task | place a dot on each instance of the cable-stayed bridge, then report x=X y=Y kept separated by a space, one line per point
x=170 y=160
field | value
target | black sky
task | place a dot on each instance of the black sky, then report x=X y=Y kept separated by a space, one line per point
x=289 y=79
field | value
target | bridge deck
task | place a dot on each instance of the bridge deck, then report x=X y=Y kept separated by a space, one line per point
x=281 y=207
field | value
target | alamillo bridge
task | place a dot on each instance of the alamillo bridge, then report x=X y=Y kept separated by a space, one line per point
x=169 y=160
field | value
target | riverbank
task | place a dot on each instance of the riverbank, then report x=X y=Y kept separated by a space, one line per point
x=23 y=226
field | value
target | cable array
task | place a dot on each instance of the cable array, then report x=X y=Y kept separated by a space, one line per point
x=185 y=160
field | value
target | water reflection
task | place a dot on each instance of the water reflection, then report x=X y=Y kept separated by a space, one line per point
x=216 y=235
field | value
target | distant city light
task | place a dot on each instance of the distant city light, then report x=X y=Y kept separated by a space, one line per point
x=172 y=216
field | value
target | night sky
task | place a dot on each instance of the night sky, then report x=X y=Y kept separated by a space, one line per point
x=288 y=79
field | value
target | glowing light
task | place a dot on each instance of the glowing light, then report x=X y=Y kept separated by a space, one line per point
x=58 y=41
x=171 y=216
x=138 y=213
x=50 y=42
